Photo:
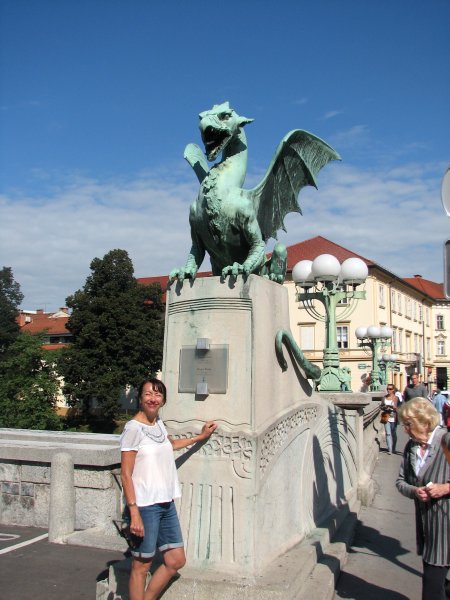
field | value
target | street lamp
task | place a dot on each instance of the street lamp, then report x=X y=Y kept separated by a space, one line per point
x=386 y=362
x=326 y=280
x=377 y=339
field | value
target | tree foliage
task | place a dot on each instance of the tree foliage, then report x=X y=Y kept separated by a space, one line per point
x=118 y=333
x=28 y=385
x=10 y=299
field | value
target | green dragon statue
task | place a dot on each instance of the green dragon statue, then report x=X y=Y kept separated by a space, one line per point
x=233 y=224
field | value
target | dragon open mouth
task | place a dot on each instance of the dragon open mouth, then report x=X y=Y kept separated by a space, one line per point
x=214 y=140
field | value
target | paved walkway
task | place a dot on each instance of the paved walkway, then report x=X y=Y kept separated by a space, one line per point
x=33 y=569
x=382 y=562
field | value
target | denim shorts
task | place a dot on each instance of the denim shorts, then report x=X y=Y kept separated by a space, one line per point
x=161 y=529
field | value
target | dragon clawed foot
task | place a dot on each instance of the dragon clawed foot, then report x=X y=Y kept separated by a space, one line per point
x=277 y=277
x=182 y=274
x=235 y=269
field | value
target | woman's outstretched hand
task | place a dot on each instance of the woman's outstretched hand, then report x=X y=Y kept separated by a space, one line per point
x=208 y=428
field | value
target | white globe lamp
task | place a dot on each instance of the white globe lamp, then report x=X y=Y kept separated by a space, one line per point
x=373 y=331
x=361 y=332
x=354 y=271
x=301 y=273
x=386 y=332
x=326 y=267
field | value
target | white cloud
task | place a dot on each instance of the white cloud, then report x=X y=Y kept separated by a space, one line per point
x=332 y=113
x=49 y=241
x=356 y=135
x=393 y=216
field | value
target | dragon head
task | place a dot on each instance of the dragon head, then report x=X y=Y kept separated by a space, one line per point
x=218 y=126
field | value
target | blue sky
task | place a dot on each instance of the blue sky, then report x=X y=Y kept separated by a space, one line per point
x=99 y=97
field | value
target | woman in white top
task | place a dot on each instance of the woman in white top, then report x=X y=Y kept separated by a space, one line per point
x=389 y=405
x=150 y=484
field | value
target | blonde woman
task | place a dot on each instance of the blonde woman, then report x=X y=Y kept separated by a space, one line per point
x=425 y=477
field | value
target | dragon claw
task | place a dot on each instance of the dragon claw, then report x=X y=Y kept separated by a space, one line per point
x=235 y=269
x=181 y=274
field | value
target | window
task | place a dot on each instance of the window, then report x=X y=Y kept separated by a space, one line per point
x=394 y=340
x=440 y=348
x=400 y=304
x=416 y=343
x=393 y=302
x=408 y=341
x=400 y=340
x=307 y=337
x=428 y=348
x=420 y=313
x=440 y=322
x=342 y=336
x=427 y=313
x=415 y=310
x=381 y=295
x=408 y=308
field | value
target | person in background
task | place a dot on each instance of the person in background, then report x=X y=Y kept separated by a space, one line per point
x=399 y=396
x=150 y=484
x=389 y=405
x=446 y=414
x=438 y=401
x=415 y=389
x=425 y=477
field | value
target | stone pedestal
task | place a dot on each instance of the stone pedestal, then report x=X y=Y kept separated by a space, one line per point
x=265 y=478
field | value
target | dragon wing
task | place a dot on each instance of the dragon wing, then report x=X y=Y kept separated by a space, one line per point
x=197 y=160
x=297 y=161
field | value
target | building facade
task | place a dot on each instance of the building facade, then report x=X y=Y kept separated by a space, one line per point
x=414 y=308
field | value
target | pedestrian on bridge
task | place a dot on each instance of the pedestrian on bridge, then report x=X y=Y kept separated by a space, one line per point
x=425 y=477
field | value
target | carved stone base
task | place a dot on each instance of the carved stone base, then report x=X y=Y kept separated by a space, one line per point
x=283 y=458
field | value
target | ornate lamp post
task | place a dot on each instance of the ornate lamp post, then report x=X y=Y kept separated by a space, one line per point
x=386 y=362
x=326 y=280
x=376 y=339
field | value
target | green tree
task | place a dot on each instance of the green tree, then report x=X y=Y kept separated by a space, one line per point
x=118 y=333
x=10 y=299
x=28 y=385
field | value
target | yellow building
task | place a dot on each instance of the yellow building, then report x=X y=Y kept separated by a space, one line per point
x=414 y=308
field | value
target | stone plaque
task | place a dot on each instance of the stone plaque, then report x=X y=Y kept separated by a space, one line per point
x=198 y=366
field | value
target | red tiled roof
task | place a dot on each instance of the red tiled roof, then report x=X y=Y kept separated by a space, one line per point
x=431 y=288
x=310 y=249
x=46 y=322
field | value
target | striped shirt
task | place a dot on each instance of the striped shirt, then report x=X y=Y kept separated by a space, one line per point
x=432 y=517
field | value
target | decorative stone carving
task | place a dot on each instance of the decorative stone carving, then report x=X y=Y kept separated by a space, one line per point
x=238 y=448
x=276 y=437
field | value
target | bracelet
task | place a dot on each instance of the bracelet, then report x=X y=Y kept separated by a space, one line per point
x=130 y=504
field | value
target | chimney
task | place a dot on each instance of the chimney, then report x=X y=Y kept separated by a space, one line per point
x=64 y=309
x=420 y=276
x=40 y=311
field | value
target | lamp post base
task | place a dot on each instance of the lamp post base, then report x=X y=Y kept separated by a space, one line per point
x=335 y=379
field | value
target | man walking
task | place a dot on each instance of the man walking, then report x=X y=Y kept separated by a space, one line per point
x=415 y=389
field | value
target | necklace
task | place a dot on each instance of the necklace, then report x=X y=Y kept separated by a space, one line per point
x=157 y=437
